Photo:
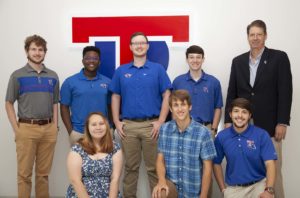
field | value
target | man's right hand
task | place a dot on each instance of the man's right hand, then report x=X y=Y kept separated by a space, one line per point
x=119 y=126
x=160 y=190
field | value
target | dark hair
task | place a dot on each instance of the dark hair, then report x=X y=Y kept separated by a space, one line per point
x=241 y=103
x=257 y=23
x=38 y=40
x=138 y=34
x=180 y=95
x=106 y=143
x=91 y=48
x=194 y=49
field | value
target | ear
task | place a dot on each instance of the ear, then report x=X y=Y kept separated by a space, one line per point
x=190 y=108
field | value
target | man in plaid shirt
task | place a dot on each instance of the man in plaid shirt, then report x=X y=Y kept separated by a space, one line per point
x=185 y=153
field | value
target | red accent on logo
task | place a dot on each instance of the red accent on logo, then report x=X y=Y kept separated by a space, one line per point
x=85 y=27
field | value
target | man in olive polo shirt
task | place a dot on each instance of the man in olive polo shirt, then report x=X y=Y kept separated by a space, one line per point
x=36 y=89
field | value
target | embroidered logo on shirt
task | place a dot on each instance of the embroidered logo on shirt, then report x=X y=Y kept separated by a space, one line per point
x=103 y=85
x=205 y=89
x=127 y=75
x=50 y=82
x=251 y=144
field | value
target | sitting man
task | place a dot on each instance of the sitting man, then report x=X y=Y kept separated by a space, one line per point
x=250 y=156
x=185 y=153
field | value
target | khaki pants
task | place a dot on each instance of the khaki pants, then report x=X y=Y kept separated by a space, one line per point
x=34 y=143
x=138 y=140
x=252 y=191
x=278 y=187
x=172 y=190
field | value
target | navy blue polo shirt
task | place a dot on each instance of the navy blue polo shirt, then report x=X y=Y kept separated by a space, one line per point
x=140 y=88
x=245 y=154
x=84 y=96
x=206 y=95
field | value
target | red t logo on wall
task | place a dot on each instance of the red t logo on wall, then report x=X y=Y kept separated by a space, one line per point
x=123 y=27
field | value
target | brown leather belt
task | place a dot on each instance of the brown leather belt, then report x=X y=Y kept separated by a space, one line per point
x=35 y=121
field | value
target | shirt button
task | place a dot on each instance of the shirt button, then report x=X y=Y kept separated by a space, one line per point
x=239 y=139
x=252 y=94
x=239 y=145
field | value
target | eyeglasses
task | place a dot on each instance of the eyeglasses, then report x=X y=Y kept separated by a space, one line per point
x=88 y=58
x=139 y=43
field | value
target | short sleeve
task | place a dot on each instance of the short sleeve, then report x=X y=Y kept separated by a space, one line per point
x=65 y=93
x=164 y=80
x=56 y=91
x=219 y=149
x=114 y=85
x=267 y=148
x=78 y=149
x=208 y=151
x=12 y=89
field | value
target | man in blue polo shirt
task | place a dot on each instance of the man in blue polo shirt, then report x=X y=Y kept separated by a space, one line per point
x=143 y=87
x=83 y=93
x=204 y=89
x=185 y=153
x=250 y=156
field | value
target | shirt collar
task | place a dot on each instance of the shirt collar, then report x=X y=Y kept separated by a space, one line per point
x=259 y=55
x=30 y=69
x=245 y=133
x=189 y=129
x=189 y=77
x=83 y=77
x=146 y=65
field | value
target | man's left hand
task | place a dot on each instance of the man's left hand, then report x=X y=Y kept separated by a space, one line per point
x=155 y=130
x=266 y=194
x=280 y=132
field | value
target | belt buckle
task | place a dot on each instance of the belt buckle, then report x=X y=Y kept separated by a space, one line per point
x=41 y=122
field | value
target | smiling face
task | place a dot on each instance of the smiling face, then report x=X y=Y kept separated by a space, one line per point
x=240 y=118
x=195 y=61
x=91 y=61
x=139 y=46
x=180 y=110
x=35 y=54
x=97 y=127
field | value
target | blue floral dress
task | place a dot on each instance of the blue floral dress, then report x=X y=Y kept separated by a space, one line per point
x=95 y=173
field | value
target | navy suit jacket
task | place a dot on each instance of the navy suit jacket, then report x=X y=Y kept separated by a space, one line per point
x=271 y=95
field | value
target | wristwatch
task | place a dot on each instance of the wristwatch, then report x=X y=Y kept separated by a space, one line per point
x=270 y=190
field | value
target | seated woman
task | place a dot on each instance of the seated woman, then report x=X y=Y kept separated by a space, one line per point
x=95 y=162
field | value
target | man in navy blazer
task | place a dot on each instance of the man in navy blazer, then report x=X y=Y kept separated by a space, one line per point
x=264 y=77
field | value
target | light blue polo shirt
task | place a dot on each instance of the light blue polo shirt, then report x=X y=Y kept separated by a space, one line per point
x=206 y=95
x=245 y=154
x=140 y=89
x=84 y=96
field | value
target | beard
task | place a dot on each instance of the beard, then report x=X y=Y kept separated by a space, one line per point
x=34 y=61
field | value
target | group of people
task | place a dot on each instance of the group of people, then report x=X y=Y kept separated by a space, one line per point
x=181 y=154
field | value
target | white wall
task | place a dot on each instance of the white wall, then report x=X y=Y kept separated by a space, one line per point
x=217 y=25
